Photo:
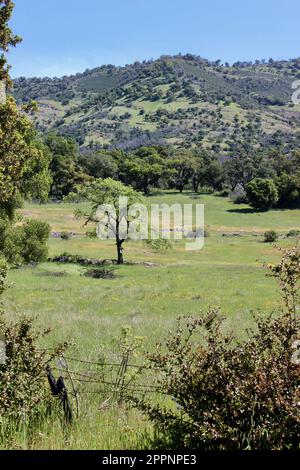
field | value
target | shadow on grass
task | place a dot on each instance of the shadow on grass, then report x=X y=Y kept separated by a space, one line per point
x=246 y=210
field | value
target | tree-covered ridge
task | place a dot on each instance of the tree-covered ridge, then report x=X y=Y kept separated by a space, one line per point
x=176 y=99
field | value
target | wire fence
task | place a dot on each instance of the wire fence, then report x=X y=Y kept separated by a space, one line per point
x=115 y=380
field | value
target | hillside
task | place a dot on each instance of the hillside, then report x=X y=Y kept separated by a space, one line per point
x=183 y=100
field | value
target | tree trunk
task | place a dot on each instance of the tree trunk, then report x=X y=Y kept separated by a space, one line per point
x=120 y=252
x=196 y=184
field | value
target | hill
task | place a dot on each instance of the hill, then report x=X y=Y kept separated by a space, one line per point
x=183 y=100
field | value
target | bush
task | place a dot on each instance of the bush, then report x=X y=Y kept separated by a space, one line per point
x=270 y=236
x=65 y=235
x=27 y=243
x=262 y=194
x=67 y=258
x=238 y=195
x=224 y=193
x=25 y=396
x=293 y=234
x=24 y=389
x=161 y=244
x=22 y=375
x=101 y=273
x=230 y=394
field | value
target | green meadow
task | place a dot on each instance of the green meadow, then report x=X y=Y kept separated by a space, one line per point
x=148 y=294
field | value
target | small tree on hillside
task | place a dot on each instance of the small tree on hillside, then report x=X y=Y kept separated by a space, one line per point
x=107 y=192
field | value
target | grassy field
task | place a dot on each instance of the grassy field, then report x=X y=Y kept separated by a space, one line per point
x=90 y=313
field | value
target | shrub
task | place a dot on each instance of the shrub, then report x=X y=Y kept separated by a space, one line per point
x=101 y=273
x=161 y=244
x=92 y=234
x=67 y=258
x=25 y=396
x=238 y=195
x=65 y=235
x=224 y=192
x=293 y=234
x=22 y=376
x=27 y=243
x=262 y=193
x=230 y=394
x=24 y=389
x=270 y=236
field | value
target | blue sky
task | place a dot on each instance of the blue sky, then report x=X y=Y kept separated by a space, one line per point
x=63 y=37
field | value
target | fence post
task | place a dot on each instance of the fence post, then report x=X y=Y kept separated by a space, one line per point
x=58 y=388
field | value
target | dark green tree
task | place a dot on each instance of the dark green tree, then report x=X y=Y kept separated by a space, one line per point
x=64 y=166
x=262 y=194
x=288 y=187
x=102 y=164
x=143 y=169
x=181 y=170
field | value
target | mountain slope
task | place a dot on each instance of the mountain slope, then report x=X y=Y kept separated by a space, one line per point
x=183 y=100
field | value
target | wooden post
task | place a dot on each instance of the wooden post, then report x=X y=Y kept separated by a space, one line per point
x=58 y=389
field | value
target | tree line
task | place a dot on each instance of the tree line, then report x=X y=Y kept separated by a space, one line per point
x=264 y=179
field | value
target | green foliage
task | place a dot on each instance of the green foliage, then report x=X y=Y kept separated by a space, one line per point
x=64 y=166
x=65 y=235
x=293 y=233
x=288 y=187
x=23 y=161
x=270 y=236
x=146 y=298
x=181 y=170
x=183 y=99
x=239 y=195
x=25 y=397
x=143 y=168
x=262 y=194
x=223 y=193
x=101 y=273
x=7 y=38
x=108 y=192
x=22 y=375
x=159 y=244
x=24 y=172
x=287 y=273
x=26 y=243
x=229 y=394
x=100 y=164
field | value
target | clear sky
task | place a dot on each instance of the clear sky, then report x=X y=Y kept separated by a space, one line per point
x=63 y=37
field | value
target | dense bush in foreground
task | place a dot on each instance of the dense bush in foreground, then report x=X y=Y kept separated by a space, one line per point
x=229 y=394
